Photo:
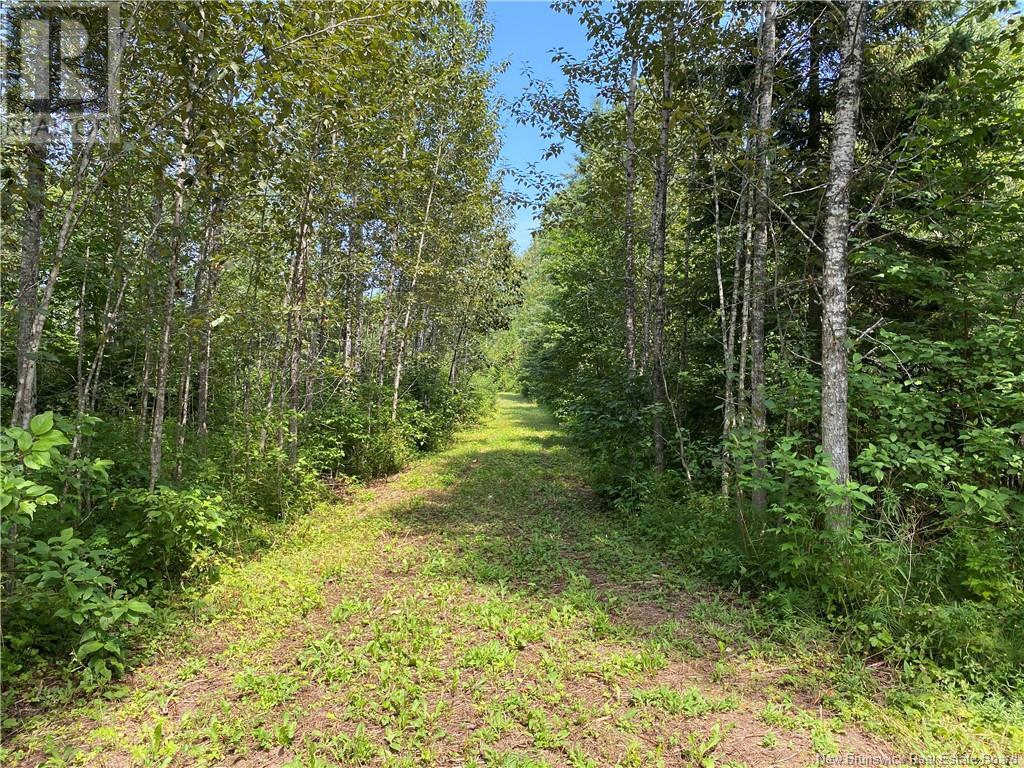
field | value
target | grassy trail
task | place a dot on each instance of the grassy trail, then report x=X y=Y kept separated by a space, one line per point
x=478 y=609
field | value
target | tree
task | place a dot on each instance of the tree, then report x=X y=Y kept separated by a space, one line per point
x=834 y=376
x=759 y=246
x=856 y=368
x=659 y=231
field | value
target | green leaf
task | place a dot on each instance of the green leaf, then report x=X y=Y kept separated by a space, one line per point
x=37 y=460
x=51 y=439
x=24 y=441
x=41 y=423
x=88 y=648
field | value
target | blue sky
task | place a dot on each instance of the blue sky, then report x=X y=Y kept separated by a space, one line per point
x=524 y=33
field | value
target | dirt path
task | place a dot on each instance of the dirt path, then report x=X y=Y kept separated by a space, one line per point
x=477 y=610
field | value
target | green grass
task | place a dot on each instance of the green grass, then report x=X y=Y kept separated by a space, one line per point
x=481 y=609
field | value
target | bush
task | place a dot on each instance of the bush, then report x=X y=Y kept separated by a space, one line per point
x=67 y=603
x=932 y=570
x=57 y=595
x=173 y=526
x=82 y=569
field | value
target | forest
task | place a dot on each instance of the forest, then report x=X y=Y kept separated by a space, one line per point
x=783 y=293
x=303 y=464
x=227 y=306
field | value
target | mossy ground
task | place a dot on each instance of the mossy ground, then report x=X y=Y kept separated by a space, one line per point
x=480 y=609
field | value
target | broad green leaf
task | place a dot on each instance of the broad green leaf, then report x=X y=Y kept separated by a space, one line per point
x=41 y=423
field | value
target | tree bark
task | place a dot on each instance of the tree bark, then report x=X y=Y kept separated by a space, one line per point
x=387 y=321
x=402 y=338
x=28 y=278
x=659 y=222
x=206 y=337
x=296 y=321
x=316 y=350
x=834 y=383
x=629 y=235
x=87 y=398
x=147 y=362
x=194 y=314
x=759 y=248
x=31 y=307
x=170 y=292
x=726 y=313
x=453 y=369
x=80 y=390
x=742 y=380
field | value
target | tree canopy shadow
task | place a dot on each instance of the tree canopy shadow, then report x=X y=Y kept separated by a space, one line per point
x=519 y=514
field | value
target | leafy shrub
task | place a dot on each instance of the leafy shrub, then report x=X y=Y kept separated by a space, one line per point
x=932 y=570
x=267 y=483
x=82 y=566
x=70 y=604
x=23 y=453
x=57 y=595
x=353 y=437
x=173 y=526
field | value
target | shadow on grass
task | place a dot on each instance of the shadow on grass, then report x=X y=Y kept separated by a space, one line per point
x=520 y=515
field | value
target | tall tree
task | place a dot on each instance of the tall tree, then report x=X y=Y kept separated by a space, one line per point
x=659 y=234
x=28 y=277
x=629 y=235
x=835 y=440
x=759 y=246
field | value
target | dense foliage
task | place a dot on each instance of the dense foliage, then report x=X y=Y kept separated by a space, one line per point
x=281 y=273
x=778 y=305
x=927 y=567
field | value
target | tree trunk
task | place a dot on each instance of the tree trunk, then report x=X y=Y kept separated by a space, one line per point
x=28 y=278
x=296 y=321
x=387 y=321
x=402 y=338
x=268 y=411
x=629 y=236
x=728 y=331
x=164 y=353
x=206 y=337
x=33 y=308
x=184 y=399
x=759 y=248
x=348 y=328
x=147 y=369
x=110 y=315
x=834 y=437
x=194 y=314
x=659 y=222
x=316 y=349
x=742 y=380
x=147 y=362
x=354 y=327
x=453 y=369
x=81 y=387
x=164 y=356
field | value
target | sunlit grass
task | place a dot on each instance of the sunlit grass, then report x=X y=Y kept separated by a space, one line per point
x=481 y=608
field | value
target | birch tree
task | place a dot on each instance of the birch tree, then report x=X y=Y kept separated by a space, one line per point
x=835 y=235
